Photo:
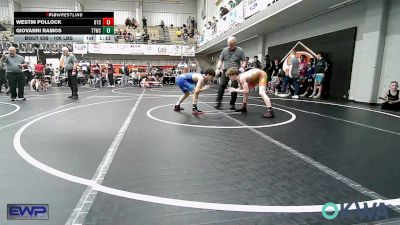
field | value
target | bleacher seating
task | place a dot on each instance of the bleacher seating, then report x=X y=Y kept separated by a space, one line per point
x=6 y=36
x=174 y=38
x=155 y=33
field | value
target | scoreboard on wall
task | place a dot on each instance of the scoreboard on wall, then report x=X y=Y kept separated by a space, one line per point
x=45 y=27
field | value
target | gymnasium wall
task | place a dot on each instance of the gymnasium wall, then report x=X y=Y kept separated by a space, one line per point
x=174 y=12
x=376 y=46
x=390 y=69
x=339 y=47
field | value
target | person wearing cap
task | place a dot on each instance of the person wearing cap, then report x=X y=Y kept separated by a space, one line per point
x=14 y=65
x=70 y=65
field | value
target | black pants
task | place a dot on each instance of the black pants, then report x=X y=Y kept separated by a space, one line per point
x=111 y=79
x=388 y=106
x=73 y=83
x=16 y=80
x=28 y=76
x=3 y=79
x=222 y=86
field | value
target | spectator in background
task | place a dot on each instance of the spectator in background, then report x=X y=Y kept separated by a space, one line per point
x=146 y=37
x=128 y=22
x=134 y=23
x=3 y=80
x=39 y=75
x=223 y=11
x=144 y=22
x=214 y=20
x=138 y=36
x=28 y=73
x=110 y=72
x=193 y=22
x=191 y=34
x=231 y=4
x=303 y=66
x=178 y=33
x=256 y=63
x=96 y=74
x=172 y=26
x=247 y=62
x=213 y=28
x=2 y=28
x=185 y=38
x=189 y=20
x=310 y=77
x=149 y=68
x=14 y=65
x=162 y=25
x=185 y=31
x=292 y=77
x=268 y=66
x=391 y=98
x=276 y=76
x=209 y=25
x=321 y=66
x=125 y=75
x=197 y=37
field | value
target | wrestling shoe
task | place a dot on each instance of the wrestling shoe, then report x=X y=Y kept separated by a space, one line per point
x=270 y=114
x=178 y=108
x=197 y=112
x=243 y=110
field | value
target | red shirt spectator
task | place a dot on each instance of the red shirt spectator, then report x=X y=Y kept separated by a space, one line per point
x=39 y=68
x=303 y=66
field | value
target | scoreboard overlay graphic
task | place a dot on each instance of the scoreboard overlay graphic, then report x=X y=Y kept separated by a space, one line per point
x=63 y=26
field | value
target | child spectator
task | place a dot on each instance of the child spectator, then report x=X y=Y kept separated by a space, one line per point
x=391 y=97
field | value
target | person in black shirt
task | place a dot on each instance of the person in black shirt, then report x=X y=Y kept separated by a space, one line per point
x=321 y=66
x=3 y=80
x=223 y=11
x=276 y=76
x=391 y=98
x=256 y=63
x=144 y=21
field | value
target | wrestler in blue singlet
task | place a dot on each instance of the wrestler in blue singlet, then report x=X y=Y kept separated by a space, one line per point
x=185 y=82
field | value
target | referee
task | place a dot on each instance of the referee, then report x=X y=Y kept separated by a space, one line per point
x=70 y=65
x=14 y=64
x=231 y=56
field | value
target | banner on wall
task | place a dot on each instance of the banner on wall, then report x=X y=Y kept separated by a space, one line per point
x=135 y=49
x=94 y=48
x=174 y=50
x=251 y=7
x=110 y=48
x=149 y=49
x=235 y=16
x=187 y=50
x=265 y=3
x=80 y=48
x=162 y=50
